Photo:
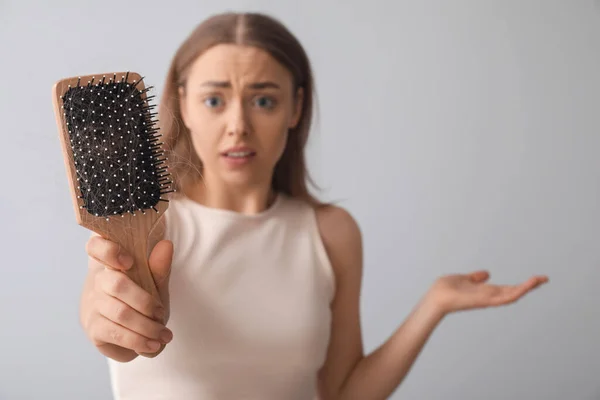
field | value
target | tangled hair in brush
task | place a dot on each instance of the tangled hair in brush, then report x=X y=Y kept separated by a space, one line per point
x=250 y=29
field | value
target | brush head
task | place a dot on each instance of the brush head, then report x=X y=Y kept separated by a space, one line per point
x=117 y=158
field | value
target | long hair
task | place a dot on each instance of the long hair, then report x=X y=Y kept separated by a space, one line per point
x=251 y=29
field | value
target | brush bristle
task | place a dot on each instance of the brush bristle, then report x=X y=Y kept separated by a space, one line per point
x=118 y=159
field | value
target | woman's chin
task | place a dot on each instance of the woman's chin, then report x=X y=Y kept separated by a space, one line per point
x=246 y=178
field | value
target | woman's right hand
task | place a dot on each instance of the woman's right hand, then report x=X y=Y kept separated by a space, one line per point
x=120 y=318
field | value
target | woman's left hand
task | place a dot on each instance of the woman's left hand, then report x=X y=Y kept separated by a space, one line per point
x=470 y=291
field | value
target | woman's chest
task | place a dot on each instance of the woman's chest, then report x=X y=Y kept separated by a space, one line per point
x=255 y=308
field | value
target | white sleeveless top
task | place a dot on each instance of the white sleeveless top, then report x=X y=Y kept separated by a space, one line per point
x=250 y=308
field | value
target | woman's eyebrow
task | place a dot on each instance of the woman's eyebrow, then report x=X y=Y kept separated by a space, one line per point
x=254 y=85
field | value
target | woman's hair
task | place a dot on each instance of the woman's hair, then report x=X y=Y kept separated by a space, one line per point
x=252 y=29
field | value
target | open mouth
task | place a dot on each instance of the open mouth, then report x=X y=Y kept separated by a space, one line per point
x=238 y=158
x=239 y=154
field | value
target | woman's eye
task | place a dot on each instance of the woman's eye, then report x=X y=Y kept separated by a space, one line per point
x=213 y=102
x=264 y=102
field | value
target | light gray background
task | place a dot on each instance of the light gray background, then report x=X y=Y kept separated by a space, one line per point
x=462 y=134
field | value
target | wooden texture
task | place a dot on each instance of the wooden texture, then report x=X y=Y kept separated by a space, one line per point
x=132 y=232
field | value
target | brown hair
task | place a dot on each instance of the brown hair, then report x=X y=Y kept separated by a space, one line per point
x=252 y=29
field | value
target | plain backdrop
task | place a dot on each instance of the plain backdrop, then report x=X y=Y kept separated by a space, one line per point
x=461 y=135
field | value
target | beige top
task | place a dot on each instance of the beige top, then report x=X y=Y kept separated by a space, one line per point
x=250 y=315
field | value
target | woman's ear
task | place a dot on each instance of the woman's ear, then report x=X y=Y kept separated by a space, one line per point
x=298 y=101
x=182 y=105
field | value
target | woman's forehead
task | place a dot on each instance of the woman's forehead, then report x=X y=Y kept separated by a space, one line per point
x=238 y=64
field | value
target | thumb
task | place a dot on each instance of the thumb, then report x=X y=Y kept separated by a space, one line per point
x=160 y=265
x=479 y=276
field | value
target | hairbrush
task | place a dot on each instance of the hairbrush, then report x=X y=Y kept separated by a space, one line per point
x=116 y=166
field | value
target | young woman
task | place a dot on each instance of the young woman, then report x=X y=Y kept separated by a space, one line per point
x=260 y=282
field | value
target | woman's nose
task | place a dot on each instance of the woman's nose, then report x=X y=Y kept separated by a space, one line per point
x=238 y=121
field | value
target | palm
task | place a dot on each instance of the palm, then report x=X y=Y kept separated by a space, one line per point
x=461 y=292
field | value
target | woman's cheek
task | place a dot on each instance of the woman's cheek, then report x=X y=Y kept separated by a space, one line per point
x=201 y=146
x=280 y=147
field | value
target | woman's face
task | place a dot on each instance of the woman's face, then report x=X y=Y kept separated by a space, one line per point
x=239 y=104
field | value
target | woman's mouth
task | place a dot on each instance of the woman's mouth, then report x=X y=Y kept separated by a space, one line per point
x=238 y=158
x=239 y=154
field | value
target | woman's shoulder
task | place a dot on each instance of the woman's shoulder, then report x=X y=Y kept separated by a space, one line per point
x=336 y=224
x=341 y=236
x=336 y=219
x=337 y=227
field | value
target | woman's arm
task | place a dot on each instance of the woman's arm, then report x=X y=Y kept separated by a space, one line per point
x=379 y=374
x=342 y=239
x=347 y=373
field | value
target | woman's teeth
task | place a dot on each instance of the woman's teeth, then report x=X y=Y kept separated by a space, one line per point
x=239 y=154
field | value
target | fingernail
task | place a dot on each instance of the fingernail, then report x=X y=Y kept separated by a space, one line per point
x=166 y=336
x=153 y=345
x=126 y=260
x=159 y=314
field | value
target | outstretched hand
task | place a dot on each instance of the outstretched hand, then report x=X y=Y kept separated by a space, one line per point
x=470 y=291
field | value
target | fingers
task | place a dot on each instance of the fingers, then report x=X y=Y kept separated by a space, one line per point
x=107 y=331
x=540 y=280
x=122 y=314
x=119 y=286
x=479 y=276
x=500 y=295
x=108 y=253
x=119 y=316
x=531 y=284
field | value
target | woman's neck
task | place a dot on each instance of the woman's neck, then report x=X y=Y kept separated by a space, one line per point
x=250 y=200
